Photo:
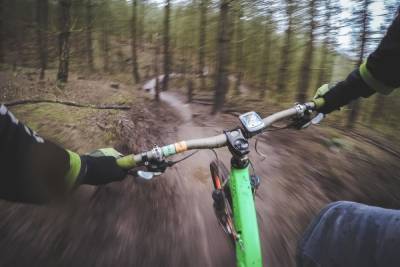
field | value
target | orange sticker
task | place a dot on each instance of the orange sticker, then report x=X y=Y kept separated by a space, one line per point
x=180 y=147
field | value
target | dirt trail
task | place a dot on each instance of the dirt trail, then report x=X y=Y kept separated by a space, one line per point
x=202 y=239
x=301 y=174
x=273 y=201
x=169 y=221
x=214 y=248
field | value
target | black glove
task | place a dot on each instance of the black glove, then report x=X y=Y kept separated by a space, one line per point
x=100 y=167
x=100 y=170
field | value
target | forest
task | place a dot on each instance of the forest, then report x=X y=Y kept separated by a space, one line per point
x=281 y=50
x=130 y=74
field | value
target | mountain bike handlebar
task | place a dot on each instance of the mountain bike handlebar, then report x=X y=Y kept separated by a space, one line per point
x=157 y=153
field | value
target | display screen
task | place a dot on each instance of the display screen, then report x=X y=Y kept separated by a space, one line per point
x=251 y=121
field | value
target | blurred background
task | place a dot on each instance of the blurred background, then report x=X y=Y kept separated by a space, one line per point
x=281 y=50
x=206 y=60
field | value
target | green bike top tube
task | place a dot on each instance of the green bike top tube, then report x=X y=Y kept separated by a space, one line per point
x=248 y=249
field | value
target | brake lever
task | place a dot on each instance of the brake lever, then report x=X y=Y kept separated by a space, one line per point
x=153 y=169
x=306 y=120
x=147 y=175
x=156 y=168
x=318 y=118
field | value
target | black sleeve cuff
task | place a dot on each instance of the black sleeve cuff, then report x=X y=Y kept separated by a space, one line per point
x=346 y=91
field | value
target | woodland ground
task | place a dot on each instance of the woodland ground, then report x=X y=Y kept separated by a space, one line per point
x=170 y=221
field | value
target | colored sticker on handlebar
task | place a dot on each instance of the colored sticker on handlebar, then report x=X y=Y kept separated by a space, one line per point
x=180 y=147
x=168 y=150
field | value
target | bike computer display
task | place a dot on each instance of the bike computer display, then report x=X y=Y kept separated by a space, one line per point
x=252 y=122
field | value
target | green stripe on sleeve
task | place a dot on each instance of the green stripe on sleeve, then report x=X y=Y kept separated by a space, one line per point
x=74 y=169
x=372 y=82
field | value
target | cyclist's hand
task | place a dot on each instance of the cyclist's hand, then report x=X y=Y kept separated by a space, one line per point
x=101 y=167
x=320 y=98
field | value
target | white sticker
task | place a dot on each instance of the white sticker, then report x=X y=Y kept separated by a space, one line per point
x=4 y=111
x=13 y=119
x=27 y=130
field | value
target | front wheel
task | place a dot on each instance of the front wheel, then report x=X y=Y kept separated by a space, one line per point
x=221 y=197
x=219 y=174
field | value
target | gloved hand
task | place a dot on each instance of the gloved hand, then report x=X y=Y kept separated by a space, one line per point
x=326 y=104
x=100 y=167
x=318 y=98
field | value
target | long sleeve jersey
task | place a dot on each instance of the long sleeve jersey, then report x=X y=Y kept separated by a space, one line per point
x=31 y=168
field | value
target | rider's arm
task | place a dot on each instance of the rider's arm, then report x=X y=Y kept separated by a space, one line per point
x=380 y=73
x=36 y=170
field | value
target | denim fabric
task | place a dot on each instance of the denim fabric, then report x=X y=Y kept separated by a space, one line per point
x=348 y=234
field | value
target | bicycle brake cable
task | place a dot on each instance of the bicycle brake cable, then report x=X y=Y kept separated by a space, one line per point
x=172 y=163
x=263 y=156
x=274 y=128
x=252 y=167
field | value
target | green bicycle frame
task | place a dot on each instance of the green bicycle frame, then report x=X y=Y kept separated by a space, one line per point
x=248 y=248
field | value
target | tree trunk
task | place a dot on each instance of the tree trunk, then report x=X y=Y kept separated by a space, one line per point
x=265 y=59
x=106 y=46
x=239 y=49
x=167 y=53
x=141 y=23
x=322 y=79
x=305 y=70
x=42 y=20
x=135 y=68
x=63 y=40
x=190 y=91
x=322 y=74
x=378 y=108
x=286 y=49
x=2 y=35
x=156 y=71
x=223 y=57
x=120 y=53
x=183 y=61
x=355 y=105
x=14 y=34
x=89 y=39
x=202 y=41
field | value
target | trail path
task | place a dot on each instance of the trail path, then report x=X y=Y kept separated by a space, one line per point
x=200 y=228
x=213 y=247
x=299 y=177
x=169 y=221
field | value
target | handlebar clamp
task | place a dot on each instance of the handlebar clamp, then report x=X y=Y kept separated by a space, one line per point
x=157 y=152
x=300 y=109
x=155 y=162
x=304 y=116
